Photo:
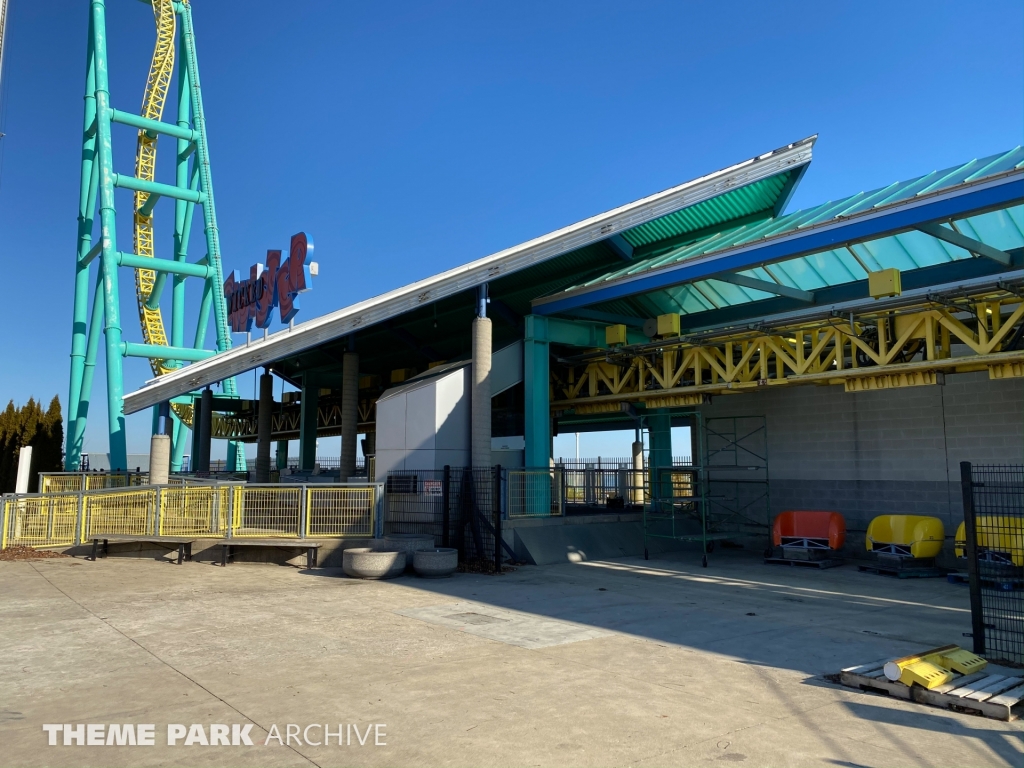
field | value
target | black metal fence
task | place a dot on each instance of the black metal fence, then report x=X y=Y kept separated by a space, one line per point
x=992 y=540
x=460 y=507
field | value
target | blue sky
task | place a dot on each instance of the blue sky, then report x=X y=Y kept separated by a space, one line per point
x=411 y=137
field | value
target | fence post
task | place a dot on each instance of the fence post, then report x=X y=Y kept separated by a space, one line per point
x=230 y=532
x=303 y=511
x=158 y=512
x=446 y=496
x=3 y=521
x=49 y=519
x=80 y=518
x=973 y=577
x=497 y=518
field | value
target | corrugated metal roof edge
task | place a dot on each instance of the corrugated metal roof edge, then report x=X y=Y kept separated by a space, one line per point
x=394 y=303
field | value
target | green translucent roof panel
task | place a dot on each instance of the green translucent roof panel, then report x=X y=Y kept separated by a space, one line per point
x=1003 y=229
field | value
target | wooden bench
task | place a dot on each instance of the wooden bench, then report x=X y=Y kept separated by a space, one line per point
x=183 y=545
x=311 y=547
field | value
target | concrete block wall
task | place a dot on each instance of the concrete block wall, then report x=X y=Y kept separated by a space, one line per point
x=883 y=452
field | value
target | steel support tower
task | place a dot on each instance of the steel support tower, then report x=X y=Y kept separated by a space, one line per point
x=192 y=188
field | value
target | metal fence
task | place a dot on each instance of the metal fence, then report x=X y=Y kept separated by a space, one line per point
x=991 y=539
x=459 y=507
x=58 y=482
x=535 y=493
x=216 y=510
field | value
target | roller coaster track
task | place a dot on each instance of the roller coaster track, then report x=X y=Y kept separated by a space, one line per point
x=160 y=70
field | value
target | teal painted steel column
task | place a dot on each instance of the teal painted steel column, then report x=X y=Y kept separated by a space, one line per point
x=92 y=349
x=281 y=457
x=308 y=407
x=182 y=209
x=108 y=234
x=538 y=398
x=86 y=210
x=236 y=450
x=178 y=437
x=202 y=159
x=659 y=426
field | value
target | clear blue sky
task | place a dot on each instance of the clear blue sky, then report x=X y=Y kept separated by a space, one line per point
x=411 y=137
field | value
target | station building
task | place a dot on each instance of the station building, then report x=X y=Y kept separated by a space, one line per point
x=849 y=355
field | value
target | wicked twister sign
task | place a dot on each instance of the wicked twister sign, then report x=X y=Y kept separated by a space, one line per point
x=252 y=301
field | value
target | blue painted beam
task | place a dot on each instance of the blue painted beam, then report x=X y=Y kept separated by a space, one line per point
x=869 y=226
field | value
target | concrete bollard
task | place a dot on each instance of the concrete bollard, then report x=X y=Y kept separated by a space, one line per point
x=24 y=470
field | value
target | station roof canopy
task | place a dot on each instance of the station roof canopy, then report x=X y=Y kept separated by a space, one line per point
x=388 y=326
x=718 y=250
x=958 y=223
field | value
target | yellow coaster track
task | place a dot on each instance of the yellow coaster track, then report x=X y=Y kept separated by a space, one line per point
x=160 y=70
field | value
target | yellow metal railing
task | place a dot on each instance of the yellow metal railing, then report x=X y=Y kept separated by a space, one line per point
x=39 y=521
x=60 y=482
x=266 y=511
x=206 y=510
x=334 y=511
x=194 y=510
x=127 y=512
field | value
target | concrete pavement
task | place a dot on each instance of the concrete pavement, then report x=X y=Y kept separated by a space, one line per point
x=618 y=662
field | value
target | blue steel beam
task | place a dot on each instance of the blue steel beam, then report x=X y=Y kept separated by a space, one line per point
x=958 y=203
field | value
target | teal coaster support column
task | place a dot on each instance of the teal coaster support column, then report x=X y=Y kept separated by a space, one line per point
x=308 y=407
x=282 y=454
x=108 y=253
x=86 y=207
x=538 y=397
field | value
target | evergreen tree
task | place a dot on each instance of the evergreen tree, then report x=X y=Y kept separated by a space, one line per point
x=29 y=425
x=9 y=423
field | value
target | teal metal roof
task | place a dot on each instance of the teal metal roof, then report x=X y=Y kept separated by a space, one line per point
x=766 y=197
x=1002 y=229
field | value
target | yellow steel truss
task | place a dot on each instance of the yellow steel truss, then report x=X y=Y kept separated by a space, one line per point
x=868 y=350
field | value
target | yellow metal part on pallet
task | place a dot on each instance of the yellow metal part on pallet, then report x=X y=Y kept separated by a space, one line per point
x=885 y=282
x=934 y=667
x=925 y=674
x=891 y=381
x=964 y=662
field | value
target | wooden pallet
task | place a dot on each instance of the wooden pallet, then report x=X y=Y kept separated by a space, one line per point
x=828 y=563
x=998 y=696
x=903 y=573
